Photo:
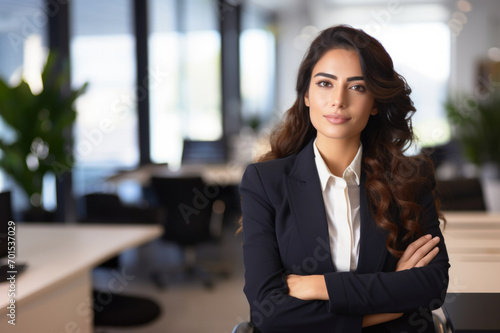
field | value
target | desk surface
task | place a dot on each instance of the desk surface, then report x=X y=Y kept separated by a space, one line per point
x=56 y=253
x=474 y=220
x=473 y=243
x=212 y=174
x=471 y=312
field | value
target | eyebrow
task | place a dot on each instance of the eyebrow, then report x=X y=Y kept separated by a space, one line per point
x=333 y=77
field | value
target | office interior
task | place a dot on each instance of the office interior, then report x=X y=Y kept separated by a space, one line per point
x=174 y=98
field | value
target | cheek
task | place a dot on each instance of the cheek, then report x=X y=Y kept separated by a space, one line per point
x=318 y=98
x=365 y=107
x=314 y=116
x=363 y=119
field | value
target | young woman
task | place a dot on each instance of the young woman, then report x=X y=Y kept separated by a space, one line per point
x=340 y=228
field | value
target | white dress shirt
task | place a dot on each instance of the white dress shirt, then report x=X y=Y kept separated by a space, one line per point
x=341 y=197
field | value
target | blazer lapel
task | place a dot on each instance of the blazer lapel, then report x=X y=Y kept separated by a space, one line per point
x=372 y=251
x=308 y=209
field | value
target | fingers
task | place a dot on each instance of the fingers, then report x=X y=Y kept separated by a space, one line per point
x=414 y=246
x=422 y=252
x=419 y=253
x=428 y=258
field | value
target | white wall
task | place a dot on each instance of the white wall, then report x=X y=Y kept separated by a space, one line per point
x=290 y=52
x=479 y=33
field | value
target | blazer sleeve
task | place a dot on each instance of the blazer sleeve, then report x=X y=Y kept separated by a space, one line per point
x=272 y=309
x=403 y=291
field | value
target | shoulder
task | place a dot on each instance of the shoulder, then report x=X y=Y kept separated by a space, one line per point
x=263 y=183
x=273 y=174
x=269 y=172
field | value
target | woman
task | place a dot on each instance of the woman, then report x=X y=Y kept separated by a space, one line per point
x=340 y=228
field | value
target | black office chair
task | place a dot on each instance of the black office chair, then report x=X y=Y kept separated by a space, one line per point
x=461 y=194
x=5 y=217
x=5 y=206
x=124 y=310
x=121 y=310
x=194 y=216
x=108 y=208
x=203 y=152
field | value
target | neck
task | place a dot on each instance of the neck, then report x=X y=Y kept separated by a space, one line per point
x=337 y=154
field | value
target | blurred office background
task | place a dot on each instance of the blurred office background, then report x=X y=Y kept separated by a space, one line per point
x=163 y=74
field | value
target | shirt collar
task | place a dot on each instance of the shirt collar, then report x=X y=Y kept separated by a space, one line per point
x=325 y=174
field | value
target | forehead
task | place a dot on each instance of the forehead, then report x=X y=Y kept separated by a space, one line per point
x=339 y=62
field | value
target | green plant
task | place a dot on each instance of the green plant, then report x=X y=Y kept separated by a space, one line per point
x=41 y=127
x=475 y=123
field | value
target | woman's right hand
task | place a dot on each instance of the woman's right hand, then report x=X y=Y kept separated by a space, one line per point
x=419 y=253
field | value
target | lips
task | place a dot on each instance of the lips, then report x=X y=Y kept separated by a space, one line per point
x=337 y=118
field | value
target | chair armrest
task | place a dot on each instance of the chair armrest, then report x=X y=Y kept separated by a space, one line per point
x=243 y=327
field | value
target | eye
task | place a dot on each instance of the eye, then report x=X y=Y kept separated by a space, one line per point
x=324 y=84
x=359 y=88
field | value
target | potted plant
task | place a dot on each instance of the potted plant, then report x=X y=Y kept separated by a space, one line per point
x=475 y=124
x=40 y=125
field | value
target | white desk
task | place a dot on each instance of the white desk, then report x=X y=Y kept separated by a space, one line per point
x=473 y=243
x=472 y=220
x=54 y=293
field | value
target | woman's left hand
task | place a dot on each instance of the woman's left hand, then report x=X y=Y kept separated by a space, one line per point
x=307 y=287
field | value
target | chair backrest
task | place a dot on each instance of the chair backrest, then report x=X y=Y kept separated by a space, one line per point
x=461 y=194
x=108 y=208
x=101 y=207
x=203 y=152
x=188 y=208
x=5 y=217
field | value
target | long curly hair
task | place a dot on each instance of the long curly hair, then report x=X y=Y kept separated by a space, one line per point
x=393 y=180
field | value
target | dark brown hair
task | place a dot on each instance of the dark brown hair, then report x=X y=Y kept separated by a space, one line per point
x=393 y=180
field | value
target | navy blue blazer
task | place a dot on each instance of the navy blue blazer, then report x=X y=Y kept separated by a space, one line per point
x=285 y=231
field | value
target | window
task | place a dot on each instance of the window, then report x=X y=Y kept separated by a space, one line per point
x=421 y=53
x=103 y=54
x=23 y=51
x=257 y=54
x=185 y=88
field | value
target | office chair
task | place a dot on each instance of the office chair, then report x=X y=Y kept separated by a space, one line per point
x=441 y=324
x=461 y=194
x=203 y=152
x=5 y=207
x=5 y=217
x=244 y=327
x=122 y=310
x=108 y=208
x=193 y=216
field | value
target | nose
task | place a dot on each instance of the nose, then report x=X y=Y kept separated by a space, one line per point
x=338 y=98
